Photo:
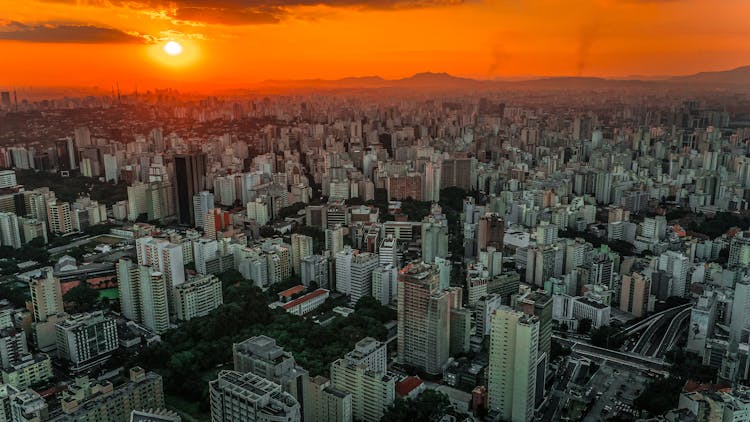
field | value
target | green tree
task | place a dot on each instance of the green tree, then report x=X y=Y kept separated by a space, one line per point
x=82 y=298
x=431 y=405
x=584 y=326
x=606 y=336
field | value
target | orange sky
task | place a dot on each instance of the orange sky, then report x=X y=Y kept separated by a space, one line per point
x=231 y=42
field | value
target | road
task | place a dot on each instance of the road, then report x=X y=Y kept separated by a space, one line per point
x=629 y=359
x=661 y=332
x=676 y=326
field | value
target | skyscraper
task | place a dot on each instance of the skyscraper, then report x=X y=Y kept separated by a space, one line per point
x=423 y=318
x=190 y=176
x=511 y=377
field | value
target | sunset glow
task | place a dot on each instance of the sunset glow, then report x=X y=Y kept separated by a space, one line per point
x=236 y=42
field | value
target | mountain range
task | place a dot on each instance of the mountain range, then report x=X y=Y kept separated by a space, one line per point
x=738 y=78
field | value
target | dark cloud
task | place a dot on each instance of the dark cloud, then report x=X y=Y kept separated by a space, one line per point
x=253 y=12
x=51 y=32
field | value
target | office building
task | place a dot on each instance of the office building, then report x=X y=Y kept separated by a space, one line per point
x=190 y=177
x=85 y=340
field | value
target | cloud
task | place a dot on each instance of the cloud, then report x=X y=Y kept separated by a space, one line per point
x=250 y=12
x=54 y=32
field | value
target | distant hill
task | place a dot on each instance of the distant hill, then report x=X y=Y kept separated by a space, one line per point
x=738 y=76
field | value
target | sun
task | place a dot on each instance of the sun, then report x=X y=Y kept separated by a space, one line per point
x=173 y=48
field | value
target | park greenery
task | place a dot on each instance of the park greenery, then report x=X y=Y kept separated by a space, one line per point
x=430 y=405
x=81 y=298
x=70 y=188
x=663 y=394
x=200 y=345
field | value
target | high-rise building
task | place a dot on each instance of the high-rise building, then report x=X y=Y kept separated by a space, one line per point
x=388 y=252
x=85 y=340
x=360 y=279
x=314 y=268
x=362 y=374
x=247 y=397
x=190 y=176
x=431 y=182
x=261 y=356
x=137 y=202
x=740 y=319
x=257 y=210
x=491 y=232
x=344 y=270
x=7 y=179
x=128 y=287
x=434 y=239
x=164 y=256
x=459 y=172
x=46 y=295
x=678 y=265
x=12 y=346
x=302 y=247
x=325 y=403
x=59 y=219
x=154 y=299
x=215 y=221
x=511 y=377
x=335 y=239
x=10 y=234
x=546 y=233
x=634 y=294
x=197 y=297
x=739 y=249
x=202 y=202
x=384 y=279
x=423 y=318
